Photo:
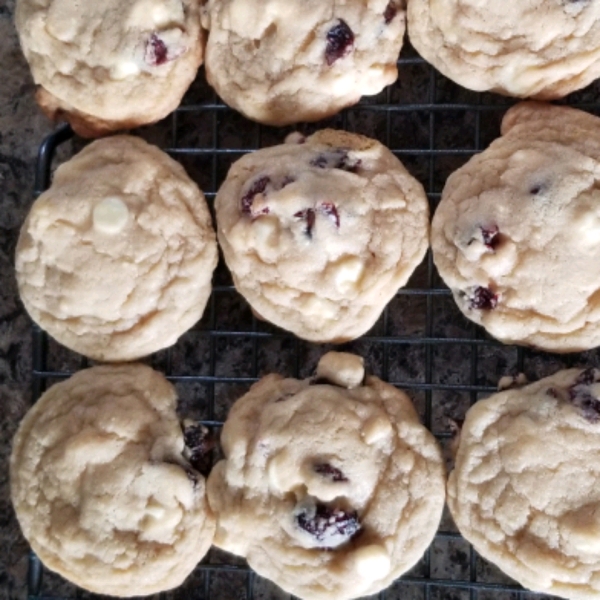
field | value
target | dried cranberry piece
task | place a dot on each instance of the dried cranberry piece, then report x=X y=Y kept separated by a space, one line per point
x=490 y=236
x=340 y=40
x=390 y=12
x=345 y=163
x=338 y=159
x=328 y=523
x=309 y=216
x=330 y=209
x=258 y=187
x=156 y=51
x=587 y=377
x=582 y=398
x=483 y=299
x=320 y=162
x=199 y=441
x=330 y=472
x=326 y=208
x=536 y=189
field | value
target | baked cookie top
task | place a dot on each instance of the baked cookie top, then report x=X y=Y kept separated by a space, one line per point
x=524 y=489
x=330 y=487
x=101 y=488
x=319 y=235
x=531 y=48
x=115 y=259
x=516 y=235
x=113 y=64
x=285 y=61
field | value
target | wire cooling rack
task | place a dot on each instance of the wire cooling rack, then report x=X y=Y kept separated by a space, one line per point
x=421 y=343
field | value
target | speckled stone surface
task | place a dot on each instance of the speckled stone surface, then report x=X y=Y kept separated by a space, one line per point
x=422 y=343
x=21 y=129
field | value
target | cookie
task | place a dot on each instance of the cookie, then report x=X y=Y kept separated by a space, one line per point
x=110 y=65
x=535 y=48
x=100 y=485
x=319 y=235
x=524 y=489
x=115 y=260
x=285 y=61
x=331 y=489
x=516 y=235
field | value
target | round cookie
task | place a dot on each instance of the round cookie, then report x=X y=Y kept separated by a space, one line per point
x=115 y=259
x=543 y=49
x=100 y=485
x=516 y=235
x=319 y=235
x=285 y=61
x=524 y=490
x=110 y=65
x=331 y=487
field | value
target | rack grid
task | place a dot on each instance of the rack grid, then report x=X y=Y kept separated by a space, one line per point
x=421 y=343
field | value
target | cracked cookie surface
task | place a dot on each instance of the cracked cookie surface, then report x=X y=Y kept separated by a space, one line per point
x=331 y=487
x=319 y=235
x=101 y=488
x=115 y=260
x=113 y=64
x=516 y=236
x=524 y=489
x=286 y=61
x=543 y=49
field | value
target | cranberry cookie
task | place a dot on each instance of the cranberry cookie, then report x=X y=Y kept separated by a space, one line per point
x=115 y=260
x=525 y=48
x=113 y=64
x=524 y=490
x=320 y=235
x=285 y=61
x=516 y=236
x=100 y=485
x=331 y=487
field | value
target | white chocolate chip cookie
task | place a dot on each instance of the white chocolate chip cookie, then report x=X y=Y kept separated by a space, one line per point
x=285 y=61
x=100 y=485
x=527 y=48
x=319 y=235
x=524 y=490
x=113 y=64
x=115 y=260
x=330 y=491
x=516 y=235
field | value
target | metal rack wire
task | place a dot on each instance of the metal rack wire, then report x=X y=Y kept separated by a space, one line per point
x=421 y=343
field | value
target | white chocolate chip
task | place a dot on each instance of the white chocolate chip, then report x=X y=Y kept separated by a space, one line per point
x=283 y=476
x=124 y=69
x=376 y=429
x=347 y=272
x=266 y=231
x=342 y=368
x=152 y=15
x=156 y=526
x=274 y=473
x=372 y=562
x=160 y=15
x=110 y=216
x=295 y=138
x=155 y=511
x=587 y=225
x=319 y=308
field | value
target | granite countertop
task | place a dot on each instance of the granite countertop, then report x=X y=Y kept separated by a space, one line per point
x=22 y=127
